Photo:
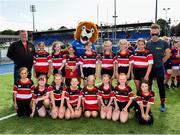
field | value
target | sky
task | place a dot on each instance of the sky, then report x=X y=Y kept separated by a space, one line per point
x=15 y=14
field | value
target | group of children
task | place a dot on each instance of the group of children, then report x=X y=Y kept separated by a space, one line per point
x=71 y=102
x=64 y=98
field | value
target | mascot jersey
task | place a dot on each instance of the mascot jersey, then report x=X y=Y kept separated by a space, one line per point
x=80 y=48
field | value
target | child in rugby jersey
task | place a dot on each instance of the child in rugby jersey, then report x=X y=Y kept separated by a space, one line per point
x=23 y=93
x=58 y=108
x=108 y=60
x=88 y=61
x=73 y=99
x=142 y=62
x=40 y=97
x=57 y=58
x=175 y=60
x=145 y=99
x=90 y=98
x=123 y=63
x=123 y=98
x=105 y=95
x=42 y=62
x=71 y=65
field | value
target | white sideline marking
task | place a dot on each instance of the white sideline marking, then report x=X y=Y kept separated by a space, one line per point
x=9 y=116
x=6 y=73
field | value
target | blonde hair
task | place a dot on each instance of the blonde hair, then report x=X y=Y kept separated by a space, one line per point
x=155 y=26
x=123 y=41
x=56 y=43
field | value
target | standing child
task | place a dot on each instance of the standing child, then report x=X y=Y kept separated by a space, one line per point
x=123 y=59
x=71 y=61
x=58 y=109
x=145 y=99
x=40 y=98
x=42 y=62
x=57 y=59
x=108 y=60
x=89 y=98
x=142 y=62
x=175 y=60
x=73 y=99
x=105 y=95
x=23 y=93
x=88 y=61
x=123 y=97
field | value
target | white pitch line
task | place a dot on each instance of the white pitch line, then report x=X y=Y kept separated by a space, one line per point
x=9 y=116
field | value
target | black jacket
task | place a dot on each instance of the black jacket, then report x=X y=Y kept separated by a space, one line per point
x=20 y=56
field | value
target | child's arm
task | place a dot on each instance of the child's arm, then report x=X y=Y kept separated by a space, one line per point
x=142 y=109
x=69 y=105
x=15 y=102
x=146 y=77
x=51 y=94
x=129 y=71
x=42 y=98
x=109 y=104
x=62 y=99
x=127 y=106
x=148 y=107
x=101 y=101
x=79 y=103
x=33 y=108
x=116 y=105
x=81 y=69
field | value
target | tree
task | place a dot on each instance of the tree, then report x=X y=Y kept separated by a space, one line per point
x=162 y=23
x=8 y=32
x=177 y=30
x=172 y=30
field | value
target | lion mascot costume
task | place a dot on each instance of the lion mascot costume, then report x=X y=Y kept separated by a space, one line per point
x=85 y=32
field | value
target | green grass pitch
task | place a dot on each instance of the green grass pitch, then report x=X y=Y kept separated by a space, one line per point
x=164 y=123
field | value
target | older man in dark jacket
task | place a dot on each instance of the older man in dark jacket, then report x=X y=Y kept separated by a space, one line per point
x=21 y=52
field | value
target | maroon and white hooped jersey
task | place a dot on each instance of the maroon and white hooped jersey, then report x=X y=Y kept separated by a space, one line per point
x=123 y=95
x=41 y=62
x=107 y=60
x=145 y=99
x=90 y=98
x=123 y=60
x=37 y=93
x=73 y=95
x=23 y=90
x=141 y=59
x=57 y=60
x=71 y=61
x=88 y=60
x=57 y=92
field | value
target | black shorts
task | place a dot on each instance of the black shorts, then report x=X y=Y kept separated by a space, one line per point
x=123 y=70
x=58 y=103
x=39 y=105
x=89 y=71
x=121 y=105
x=107 y=71
x=139 y=73
x=106 y=101
x=167 y=65
x=55 y=71
x=38 y=74
x=24 y=108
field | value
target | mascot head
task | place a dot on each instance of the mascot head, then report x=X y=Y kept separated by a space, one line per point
x=86 y=31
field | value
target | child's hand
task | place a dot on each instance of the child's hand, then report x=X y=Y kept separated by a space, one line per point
x=32 y=115
x=116 y=108
x=125 y=109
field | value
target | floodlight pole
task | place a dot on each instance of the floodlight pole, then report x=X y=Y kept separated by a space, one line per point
x=33 y=9
x=166 y=25
x=115 y=16
x=156 y=11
